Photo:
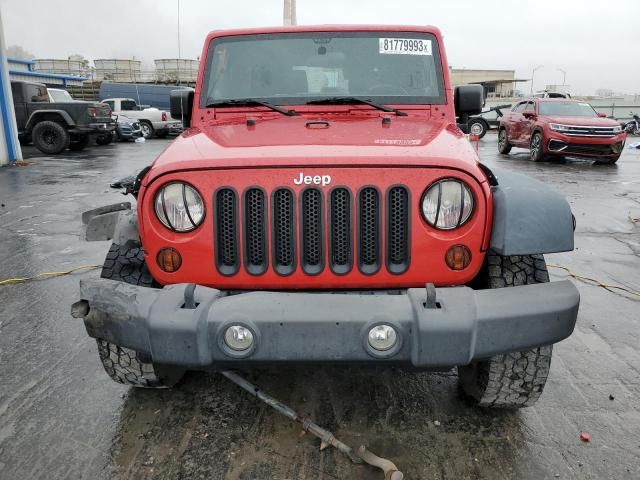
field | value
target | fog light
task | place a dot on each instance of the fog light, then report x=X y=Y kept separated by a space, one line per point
x=238 y=338
x=169 y=260
x=458 y=257
x=382 y=337
x=617 y=147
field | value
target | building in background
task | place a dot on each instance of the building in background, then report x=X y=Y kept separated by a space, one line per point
x=496 y=83
x=24 y=70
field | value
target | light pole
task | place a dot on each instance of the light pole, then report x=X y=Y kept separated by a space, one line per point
x=533 y=74
x=564 y=76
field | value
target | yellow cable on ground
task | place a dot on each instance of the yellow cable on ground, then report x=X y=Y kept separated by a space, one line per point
x=48 y=275
x=597 y=283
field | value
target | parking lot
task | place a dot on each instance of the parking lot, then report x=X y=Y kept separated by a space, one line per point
x=62 y=417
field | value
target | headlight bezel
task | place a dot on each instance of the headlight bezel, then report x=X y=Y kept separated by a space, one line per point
x=559 y=127
x=163 y=217
x=462 y=221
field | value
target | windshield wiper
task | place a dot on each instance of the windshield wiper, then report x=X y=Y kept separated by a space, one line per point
x=347 y=100
x=251 y=101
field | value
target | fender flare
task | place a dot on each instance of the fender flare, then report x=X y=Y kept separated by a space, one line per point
x=528 y=217
x=115 y=222
x=33 y=118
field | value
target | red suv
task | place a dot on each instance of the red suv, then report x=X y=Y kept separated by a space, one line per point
x=559 y=127
x=323 y=206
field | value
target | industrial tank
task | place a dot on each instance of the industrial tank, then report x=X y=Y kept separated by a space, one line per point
x=118 y=70
x=67 y=66
x=176 y=70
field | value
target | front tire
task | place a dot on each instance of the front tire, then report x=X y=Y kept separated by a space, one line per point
x=477 y=127
x=122 y=364
x=517 y=379
x=536 y=148
x=147 y=129
x=50 y=137
x=504 y=147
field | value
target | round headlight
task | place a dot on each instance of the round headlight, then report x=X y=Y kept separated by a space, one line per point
x=447 y=204
x=179 y=207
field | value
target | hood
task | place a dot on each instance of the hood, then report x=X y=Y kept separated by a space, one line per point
x=583 y=121
x=312 y=140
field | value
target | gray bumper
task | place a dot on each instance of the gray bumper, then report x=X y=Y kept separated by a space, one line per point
x=322 y=327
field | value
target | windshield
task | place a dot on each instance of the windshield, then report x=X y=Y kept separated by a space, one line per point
x=567 y=109
x=293 y=68
x=60 y=96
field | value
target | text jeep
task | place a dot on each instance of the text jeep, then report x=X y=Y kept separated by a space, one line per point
x=323 y=206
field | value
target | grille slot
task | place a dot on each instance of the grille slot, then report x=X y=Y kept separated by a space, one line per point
x=369 y=230
x=255 y=231
x=312 y=256
x=283 y=231
x=227 y=259
x=340 y=234
x=397 y=229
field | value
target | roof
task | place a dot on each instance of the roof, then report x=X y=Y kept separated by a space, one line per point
x=19 y=60
x=326 y=28
x=47 y=75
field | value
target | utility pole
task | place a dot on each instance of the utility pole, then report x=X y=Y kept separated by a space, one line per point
x=532 y=75
x=289 y=13
x=564 y=76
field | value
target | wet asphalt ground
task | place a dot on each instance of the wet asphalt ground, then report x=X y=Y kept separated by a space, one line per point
x=61 y=417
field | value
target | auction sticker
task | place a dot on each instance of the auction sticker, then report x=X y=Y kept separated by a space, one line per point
x=405 y=46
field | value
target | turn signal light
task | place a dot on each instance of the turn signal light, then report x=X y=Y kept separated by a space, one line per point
x=458 y=257
x=169 y=260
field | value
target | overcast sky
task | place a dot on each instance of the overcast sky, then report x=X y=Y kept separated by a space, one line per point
x=596 y=42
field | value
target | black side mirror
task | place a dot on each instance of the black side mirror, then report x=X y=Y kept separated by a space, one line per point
x=181 y=104
x=468 y=100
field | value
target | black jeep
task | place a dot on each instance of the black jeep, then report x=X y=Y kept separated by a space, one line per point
x=52 y=127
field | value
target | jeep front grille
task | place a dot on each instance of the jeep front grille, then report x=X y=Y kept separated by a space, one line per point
x=369 y=230
x=227 y=257
x=341 y=233
x=255 y=231
x=397 y=229
x=285 y=220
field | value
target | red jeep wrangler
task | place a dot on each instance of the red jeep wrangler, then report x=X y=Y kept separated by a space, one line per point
x=323 y=206
x=559 y=127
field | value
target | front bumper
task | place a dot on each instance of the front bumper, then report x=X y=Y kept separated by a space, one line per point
x=579 y=146
x=462 y=325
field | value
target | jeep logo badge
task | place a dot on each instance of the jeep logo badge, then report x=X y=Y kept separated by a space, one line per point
x=323 y=180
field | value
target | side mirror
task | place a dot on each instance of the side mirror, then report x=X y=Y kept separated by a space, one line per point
x=529 y=115
x=181 y=105
x=468 y=100
x=602 y=114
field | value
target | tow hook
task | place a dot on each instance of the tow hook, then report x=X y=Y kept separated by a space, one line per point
x=361 y=454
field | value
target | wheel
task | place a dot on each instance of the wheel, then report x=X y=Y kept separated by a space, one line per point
x=536 y=148
x=147 y=129
x=79 y=143
x=104 y=139
x=504 y=147
x=477 y=127
x=162 y=133
x=122 y=364
x=50 y=137
x=517 y=379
